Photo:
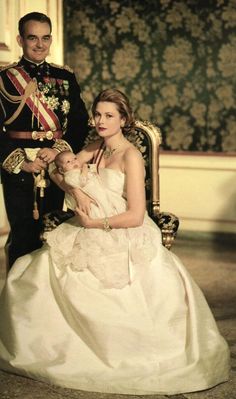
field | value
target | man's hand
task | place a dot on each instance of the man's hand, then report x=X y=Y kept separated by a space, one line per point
x=47 y=154
x=34 y=167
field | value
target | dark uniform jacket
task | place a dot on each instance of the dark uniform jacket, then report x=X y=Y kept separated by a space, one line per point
x=40 y=106
x=58 y=92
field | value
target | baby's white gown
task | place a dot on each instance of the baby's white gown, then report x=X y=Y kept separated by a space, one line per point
x=109 y=311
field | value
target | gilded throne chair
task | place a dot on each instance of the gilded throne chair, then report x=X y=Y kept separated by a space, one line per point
x=147 y=138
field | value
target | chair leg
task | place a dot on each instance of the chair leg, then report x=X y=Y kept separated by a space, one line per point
x=168 y=237
x=168 y=224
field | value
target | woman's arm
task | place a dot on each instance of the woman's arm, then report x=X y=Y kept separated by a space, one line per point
x=136 y=202
x=83 y=201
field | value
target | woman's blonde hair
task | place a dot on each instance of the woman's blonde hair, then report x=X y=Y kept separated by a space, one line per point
x=122 y=103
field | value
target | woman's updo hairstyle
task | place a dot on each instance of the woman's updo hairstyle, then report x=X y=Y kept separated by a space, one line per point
x=122 y=103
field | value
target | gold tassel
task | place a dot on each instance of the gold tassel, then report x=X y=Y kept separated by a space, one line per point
x=41 y=183
x=35 y=211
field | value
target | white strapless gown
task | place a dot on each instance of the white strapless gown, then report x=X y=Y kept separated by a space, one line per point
x=109 y=311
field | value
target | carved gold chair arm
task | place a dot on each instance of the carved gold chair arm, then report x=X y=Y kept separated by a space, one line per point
x=168 y=223
x=52 y=219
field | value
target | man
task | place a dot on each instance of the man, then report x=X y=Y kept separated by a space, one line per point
x=41 y=114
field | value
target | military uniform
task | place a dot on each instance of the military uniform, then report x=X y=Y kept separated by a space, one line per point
x=40 y=106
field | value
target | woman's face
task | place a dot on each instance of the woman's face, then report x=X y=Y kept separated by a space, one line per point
x=108 y=121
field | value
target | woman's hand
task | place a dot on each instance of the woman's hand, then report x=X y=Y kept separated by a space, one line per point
x=82 y=200
x=84 y=219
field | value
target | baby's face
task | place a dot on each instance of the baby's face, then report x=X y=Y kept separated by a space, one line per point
x=68 y=162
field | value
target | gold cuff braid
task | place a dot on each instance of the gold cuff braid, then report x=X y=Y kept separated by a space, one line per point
x=18 y=156
x=13 y=160
x=61 y=145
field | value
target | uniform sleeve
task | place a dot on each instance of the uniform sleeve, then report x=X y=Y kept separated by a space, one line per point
x=77 y=127
x=10 y=157
x=3 y=142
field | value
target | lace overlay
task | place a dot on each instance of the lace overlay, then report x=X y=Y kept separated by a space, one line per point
x=117 y=257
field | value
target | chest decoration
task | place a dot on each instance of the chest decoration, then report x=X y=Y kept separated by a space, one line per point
x=54 y=93
x=32 y=96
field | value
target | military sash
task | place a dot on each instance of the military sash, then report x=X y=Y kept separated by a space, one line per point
x=21 y=80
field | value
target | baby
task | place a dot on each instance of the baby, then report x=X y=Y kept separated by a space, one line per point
x=105 y=264
x=74 y=172
x=66 y=161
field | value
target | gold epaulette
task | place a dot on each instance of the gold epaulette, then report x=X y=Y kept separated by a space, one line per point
x=3 y=67
x=66 y=67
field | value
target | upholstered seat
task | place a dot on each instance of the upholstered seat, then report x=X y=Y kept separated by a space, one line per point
x=147 y=138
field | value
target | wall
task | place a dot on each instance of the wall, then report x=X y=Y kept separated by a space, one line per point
x=12 y=10
x=176 y=59
x=199 y=189
x=177 y=62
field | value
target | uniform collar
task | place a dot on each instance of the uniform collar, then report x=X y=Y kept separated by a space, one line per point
x=35 y=69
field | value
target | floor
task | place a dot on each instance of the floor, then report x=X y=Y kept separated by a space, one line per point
x=213 y=266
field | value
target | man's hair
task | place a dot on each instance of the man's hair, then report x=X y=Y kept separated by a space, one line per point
x=33 y=16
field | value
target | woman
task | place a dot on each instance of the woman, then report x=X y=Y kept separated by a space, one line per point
x=104 y=306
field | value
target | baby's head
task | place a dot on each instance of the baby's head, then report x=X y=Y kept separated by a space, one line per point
x=65 y=161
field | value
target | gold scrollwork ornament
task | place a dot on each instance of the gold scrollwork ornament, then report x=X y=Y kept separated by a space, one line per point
x=41 y=135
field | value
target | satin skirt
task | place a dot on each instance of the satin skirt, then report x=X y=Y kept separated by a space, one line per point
x=155 y=334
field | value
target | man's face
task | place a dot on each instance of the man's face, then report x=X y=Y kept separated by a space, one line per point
x=36 y=41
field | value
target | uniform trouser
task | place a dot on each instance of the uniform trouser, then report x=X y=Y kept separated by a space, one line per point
x=18 y=191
